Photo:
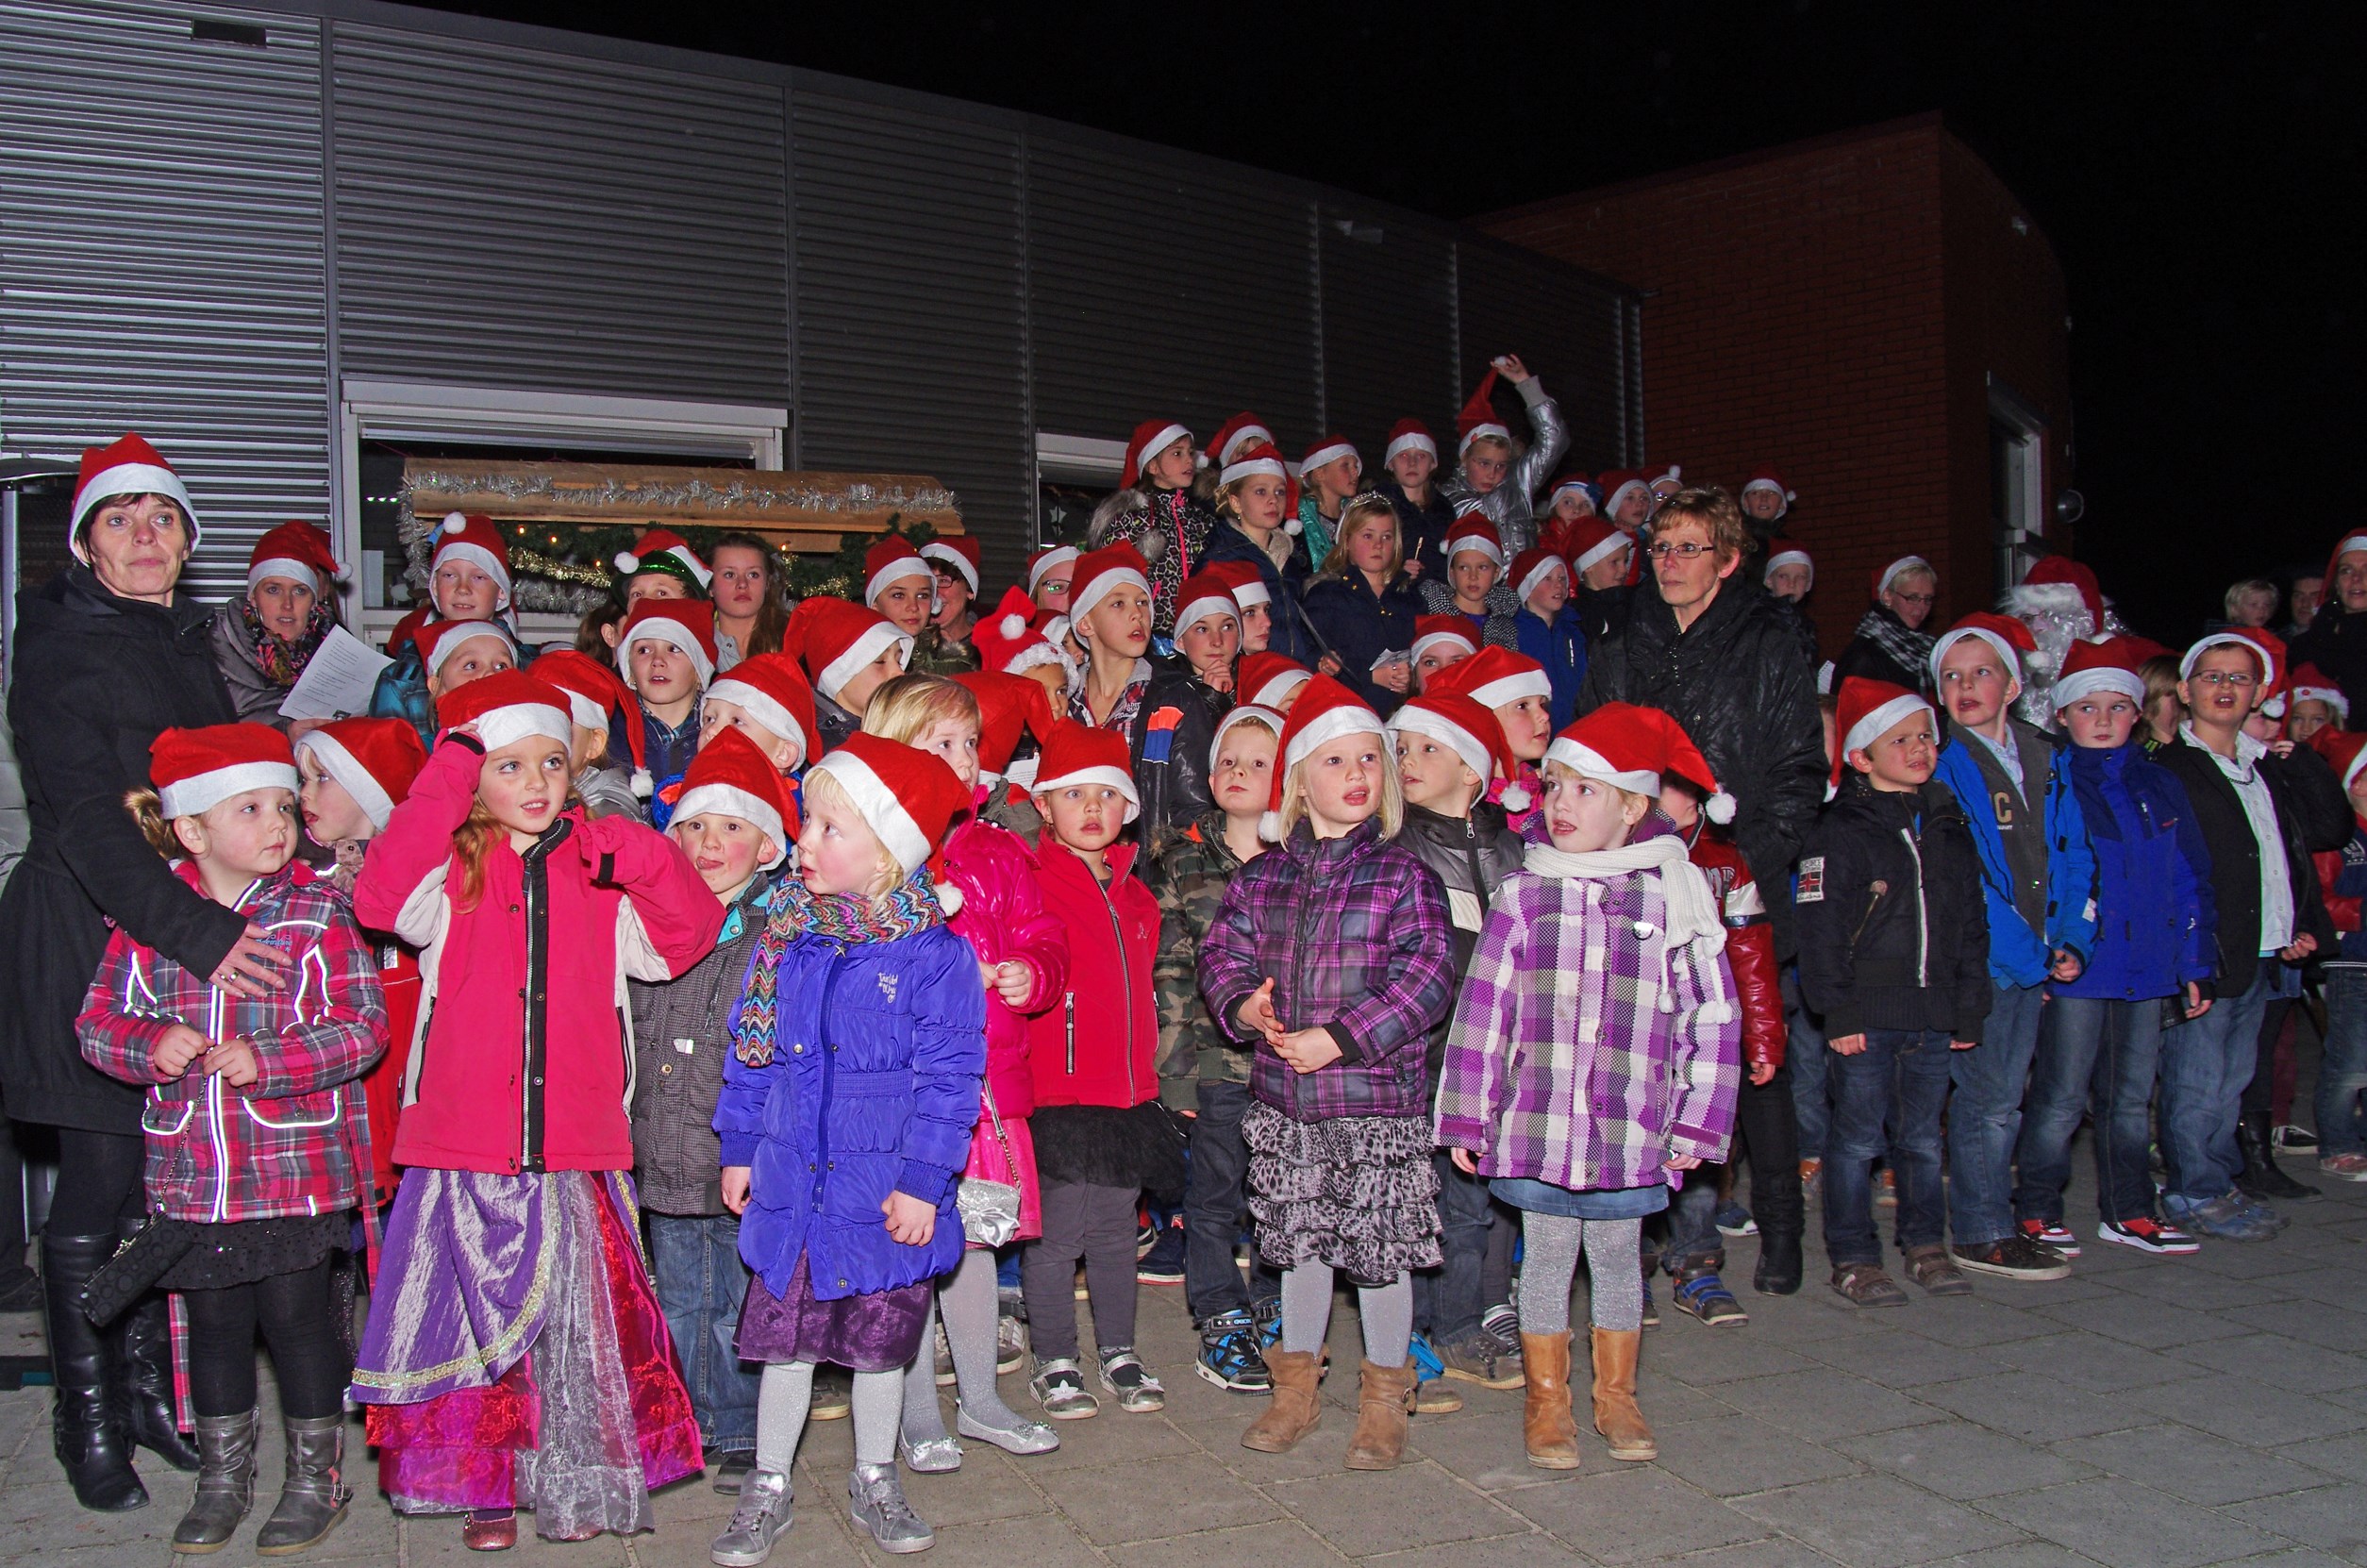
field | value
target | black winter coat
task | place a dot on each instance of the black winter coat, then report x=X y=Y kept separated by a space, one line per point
x=1168 y=743
x=1361 y=624
x=2336 y=642
x=1868 y=660
x=1471 y=856
x=1893 y=926
x=1421 y=530
x=1287 y=585
x=1736 y=681
x=96 y=678
x=2313 y=814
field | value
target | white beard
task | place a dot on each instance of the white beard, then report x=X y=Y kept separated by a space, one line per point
x=2058 y=617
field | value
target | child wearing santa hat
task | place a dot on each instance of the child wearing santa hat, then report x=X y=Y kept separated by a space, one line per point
x=899 y=583
x=851 y=1093
x=1166 y=715
x=665 y=648
x=1023 y=958
x=1423 y=514
x=765 y=697
x=1258 y=526
x=1599 y=984
x=1472 y=584
x=2039 y=875
x=1203 y=1074
x=263 y=638
x=1209 y=632
x=1156 y=511
x=1893 y=933
x=596 y=699
x=1488 y=471
x=848 y=652
x=440 y=657
x=1329 y=475
x=2317 y=704
x=529 y=917
x=944 y=646
x=1439 y=641
x=1603 y=559
x=1449 y=749
x=1546 y=627
x=1516 y=689
x=1332 y=958
x=257 y=1146
x=1251 y=597
x=737 y=823
x=468 y=577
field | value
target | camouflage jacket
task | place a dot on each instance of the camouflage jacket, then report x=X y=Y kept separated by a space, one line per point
x=1189 y=879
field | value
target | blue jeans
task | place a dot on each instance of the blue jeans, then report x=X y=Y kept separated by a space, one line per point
x=1985 y=1118
x=2206 y=1063
x=2343 y=1070
x=1216 y=1201
x=1811 y=1095
x=701 y=1282
x=2092 y=1049
x=1886 y=1100
x=1449 y=1299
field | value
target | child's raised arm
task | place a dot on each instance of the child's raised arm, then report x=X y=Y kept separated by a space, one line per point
x=1476 y=1080
x=670 y=920
x=401 y=885
x=341 y=1026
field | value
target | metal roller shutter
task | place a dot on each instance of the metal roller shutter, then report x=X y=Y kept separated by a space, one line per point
x=509 y=217
x=1567 y=327
x=911 y=307
x=1388 y=329
x=162 y=255
x=1164 y=291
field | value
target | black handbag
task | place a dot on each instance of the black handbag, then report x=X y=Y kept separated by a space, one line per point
x=138 y=1263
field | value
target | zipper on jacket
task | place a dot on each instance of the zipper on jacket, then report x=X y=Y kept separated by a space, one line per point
x=213 y=1117
x=1072 y=1023
x=829 y=1082
x=1923 y=912
x=1117 y=933
x=536 y=890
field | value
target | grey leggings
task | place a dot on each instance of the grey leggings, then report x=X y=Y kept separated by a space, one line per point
x=1549 y=1262
x=1095 y=1223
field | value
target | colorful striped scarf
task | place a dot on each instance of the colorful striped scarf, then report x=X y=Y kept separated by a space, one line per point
x=790 y=910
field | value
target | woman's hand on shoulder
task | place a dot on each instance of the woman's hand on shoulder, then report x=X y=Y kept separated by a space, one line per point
x=252 y=967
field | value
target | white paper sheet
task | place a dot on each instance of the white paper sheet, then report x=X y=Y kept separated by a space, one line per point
x=336 y=683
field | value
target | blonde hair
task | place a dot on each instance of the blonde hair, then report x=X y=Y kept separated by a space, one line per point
x=906 y=708
x=148 y=809
x=1497 y=441
x=821 y=787
x=1392 y=808
x=1369 y=503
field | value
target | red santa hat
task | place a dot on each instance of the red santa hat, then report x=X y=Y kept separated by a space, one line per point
x=1243 y=429
x=506 y=707
x=663 y=550
x=731 y=777
x=2253 y=642
x=1530 y=569
x=1617 y=483
x=1885 y=577
x=1409 y=435
x=889 y=558
x=908 y=797
x=1248 y=712
x=1474 y=531
x=2345 y=752
x=1203 y=594
x=772 y=690
x=1633 y=748
x=1008 y=640
x=438 y=639
x=1078 y=754
x=1477 y=417
x=1865 y=710
x=2007 y=636
x=835 y=640
x=196 y=769
x=1574 y=480
x=1151 y=438
x=957 y=554
x=1101 y=572
x=127 y=466
x=1591 y=541
x=1325 y=711
x=299 y=552
x=1471 y=731
x=472 y=536
x=1328 y=450
x=2107 y=664
x=1261 y=457
x=2311 y=684
x=1788 y=557
x=593 y=693
x=1494 y=678
x=688 y=624
x=373 y=760
x=1007 y=705
x=1431 y=631
x=1043 y=564
x=2068 y=573
x=2352 y=542
x=1766 y=477
x=1673 y=477
x=1242 y=580
x=1270 y=680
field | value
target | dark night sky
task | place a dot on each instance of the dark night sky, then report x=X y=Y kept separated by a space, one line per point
x=2196 y=166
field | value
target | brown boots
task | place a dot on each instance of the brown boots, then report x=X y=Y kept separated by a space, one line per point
x=1384 y=1399
x=1549 y=1430
x=1615 y=1413
x=1294 y=1408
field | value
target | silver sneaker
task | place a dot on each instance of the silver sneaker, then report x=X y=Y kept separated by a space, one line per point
x=1010 y=1344
x=875 y=1501
x=761 y=1518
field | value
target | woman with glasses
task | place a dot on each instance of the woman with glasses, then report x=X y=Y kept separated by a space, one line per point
x=1891 y=643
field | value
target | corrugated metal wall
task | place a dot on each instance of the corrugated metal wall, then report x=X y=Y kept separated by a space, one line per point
x=161 y=255
x=1388 y=329
x=1568 y=335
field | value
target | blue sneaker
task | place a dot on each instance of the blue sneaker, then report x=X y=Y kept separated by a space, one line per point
x=1229 y=1354
x=1163 y=1263
x=2226 y=1218
x=1268 y=1314
x=1732 y=1219
x=1426 y=1361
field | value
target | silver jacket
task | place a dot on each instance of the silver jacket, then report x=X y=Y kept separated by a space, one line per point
x=1509 y=505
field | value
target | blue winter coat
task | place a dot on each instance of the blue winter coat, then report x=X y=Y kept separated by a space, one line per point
x=2156 y=926
x=1290 y=637
x=1560 y=645
x=2017 y=955
x=873 y=1088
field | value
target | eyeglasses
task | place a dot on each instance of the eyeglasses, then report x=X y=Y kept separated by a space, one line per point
x=1926 y=600
x=1688 y=550
x=2225 y=677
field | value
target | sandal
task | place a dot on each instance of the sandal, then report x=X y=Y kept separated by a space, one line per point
x=1866 y=1285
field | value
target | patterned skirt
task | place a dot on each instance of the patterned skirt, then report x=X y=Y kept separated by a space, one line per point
x=1355 y=1193
x=874 y=1331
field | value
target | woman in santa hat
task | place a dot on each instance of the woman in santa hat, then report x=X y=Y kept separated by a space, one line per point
x=1155 y=511
x=1489 y=473
x=1891 y=643
x=263 y=638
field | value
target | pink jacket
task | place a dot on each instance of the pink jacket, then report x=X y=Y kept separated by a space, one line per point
x=522 y=1061
x=1003 y=917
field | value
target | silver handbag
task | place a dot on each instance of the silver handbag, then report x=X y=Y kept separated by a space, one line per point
x=990 y=1210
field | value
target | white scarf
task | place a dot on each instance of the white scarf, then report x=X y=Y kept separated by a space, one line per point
x=1693 y=909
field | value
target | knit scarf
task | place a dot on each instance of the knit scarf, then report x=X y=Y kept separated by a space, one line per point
x=791 y=910
x=1693 y=909
x=1909 y=649
x=280 y=659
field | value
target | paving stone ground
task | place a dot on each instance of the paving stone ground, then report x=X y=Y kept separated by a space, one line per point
x=2147 y=1412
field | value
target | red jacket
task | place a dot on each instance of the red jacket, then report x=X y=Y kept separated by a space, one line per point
x=287 y=1144
x=1003 y=920
x=522 y=1062
x=1750 y=945
x=1099 y=1045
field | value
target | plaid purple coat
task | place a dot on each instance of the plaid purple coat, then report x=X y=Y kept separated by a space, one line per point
x=1354 y=933
x=1566 y=1061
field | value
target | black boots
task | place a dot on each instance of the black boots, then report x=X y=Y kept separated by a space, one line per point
x=1778 y=1270
x=89 y=1426
x=2260 y=1177
x=314 y=1496
x=143 y=1346
x=225 y=1483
